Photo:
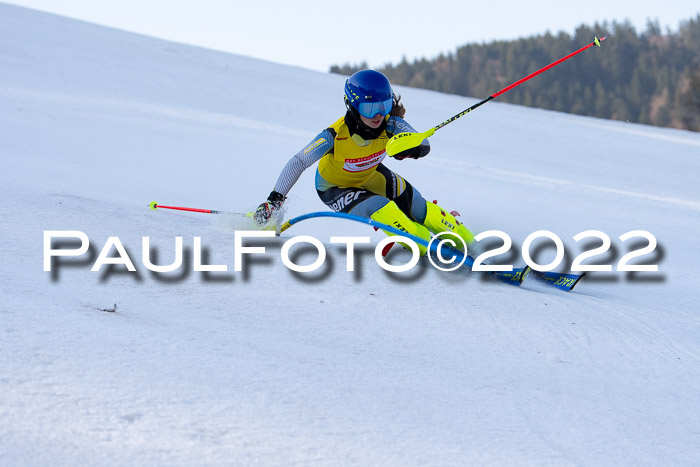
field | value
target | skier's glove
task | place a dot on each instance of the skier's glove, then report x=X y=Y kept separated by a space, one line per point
x=267 y=209
x=413 y=153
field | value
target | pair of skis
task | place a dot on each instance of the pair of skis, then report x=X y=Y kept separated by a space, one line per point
x=559 y=280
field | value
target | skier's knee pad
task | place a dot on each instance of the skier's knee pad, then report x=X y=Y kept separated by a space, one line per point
x=438 y=220
x=391 y=215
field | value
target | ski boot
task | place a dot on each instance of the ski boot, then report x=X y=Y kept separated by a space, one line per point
x=438 y=220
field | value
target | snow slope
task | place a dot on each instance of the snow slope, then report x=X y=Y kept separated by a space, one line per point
x=265 y=366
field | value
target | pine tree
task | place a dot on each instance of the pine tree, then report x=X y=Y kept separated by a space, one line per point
x=691 y=103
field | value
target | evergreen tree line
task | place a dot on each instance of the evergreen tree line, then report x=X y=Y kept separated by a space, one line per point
x=649 y=77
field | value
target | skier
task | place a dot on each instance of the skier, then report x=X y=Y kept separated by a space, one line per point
x=351 y=177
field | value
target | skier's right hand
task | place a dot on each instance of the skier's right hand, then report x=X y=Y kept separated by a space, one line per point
x=267 y=209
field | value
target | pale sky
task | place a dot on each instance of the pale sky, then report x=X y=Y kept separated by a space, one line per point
x=316 y=34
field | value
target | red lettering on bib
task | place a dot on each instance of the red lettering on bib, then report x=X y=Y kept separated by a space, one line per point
x=364 y=163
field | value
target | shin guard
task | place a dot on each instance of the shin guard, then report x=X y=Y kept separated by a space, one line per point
x=391 y=215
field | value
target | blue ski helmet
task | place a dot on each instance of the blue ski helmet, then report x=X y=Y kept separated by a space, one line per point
x=369 y=93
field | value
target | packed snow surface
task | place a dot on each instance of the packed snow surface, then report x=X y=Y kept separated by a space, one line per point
x=268 y=366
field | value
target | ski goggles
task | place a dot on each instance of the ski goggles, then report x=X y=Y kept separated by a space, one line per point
x=370 y=109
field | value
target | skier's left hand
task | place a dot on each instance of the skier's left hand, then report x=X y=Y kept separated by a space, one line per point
x=412 y=153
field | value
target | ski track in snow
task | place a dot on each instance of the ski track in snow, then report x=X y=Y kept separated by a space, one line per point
x=665 y=135
x=541 y=181
x=133 y=108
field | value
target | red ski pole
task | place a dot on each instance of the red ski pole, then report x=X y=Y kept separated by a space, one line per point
x=154 y=205
x=404 y=141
